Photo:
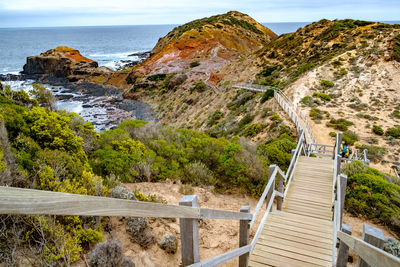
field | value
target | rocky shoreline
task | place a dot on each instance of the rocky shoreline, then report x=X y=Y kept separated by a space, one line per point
x=104 y=106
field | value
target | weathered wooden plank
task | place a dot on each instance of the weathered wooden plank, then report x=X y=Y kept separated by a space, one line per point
x=215 y=261
x=343 y=252
x=269 y=228
x=308 y=207
x=302 y=219
x=372 y=255
x=289 y=254
x=257 y=264
x=244 y=232
x=300 y=230
x=301 y=198
x=298 y=224
x=312 y=190
x=30 y=201
x=189 y=229
x=278 y=260
x=306 y=213
x=309 y=202
x=274 y=240
x=223 y=214
x=295 y=248
x=294 y=238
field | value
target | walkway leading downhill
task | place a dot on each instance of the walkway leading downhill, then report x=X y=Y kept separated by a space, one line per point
x=302 y=233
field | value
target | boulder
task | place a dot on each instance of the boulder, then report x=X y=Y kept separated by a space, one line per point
x=138 y=228
x=122 y=193
x=109 y=253
x=169 y=243
x=60 y=62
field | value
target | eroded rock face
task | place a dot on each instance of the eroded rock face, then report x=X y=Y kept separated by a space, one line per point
x=61 y=62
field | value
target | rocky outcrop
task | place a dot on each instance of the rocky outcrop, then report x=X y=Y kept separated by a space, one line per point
x=211 y=41
x=63 y=62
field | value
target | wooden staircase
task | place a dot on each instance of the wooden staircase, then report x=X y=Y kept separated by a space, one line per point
x=302 y=233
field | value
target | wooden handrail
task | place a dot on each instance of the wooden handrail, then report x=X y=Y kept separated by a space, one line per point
x=30 y=201
x=296 y=157
x=262 y=223
x=270 y=183
x=370 y=254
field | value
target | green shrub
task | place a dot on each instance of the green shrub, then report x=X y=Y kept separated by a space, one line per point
x=245 y=120
x=199 y=86
x=396 y=48
x=216 y=116
x=377 y=130
x=354 y=167
x=44 y=96
x=339 y=124
x=194 y=64
x=316 y=114
x=239 y=100
x=375 y=153
x=254 y=129
x=307 y=100
x=393 y=132
x=267 y=95
x=350 y=137
x=278 y=151
x=157 y=77
x=327 y=84
x=276 y=118
x=267 y=71
x=332 y=134
x=370 y=196
x=396 y=114
x=186 y=189
x=323 y=96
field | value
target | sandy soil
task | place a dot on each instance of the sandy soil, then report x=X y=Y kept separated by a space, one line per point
x=216 y=236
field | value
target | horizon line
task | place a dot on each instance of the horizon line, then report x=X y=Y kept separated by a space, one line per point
x=128 y=25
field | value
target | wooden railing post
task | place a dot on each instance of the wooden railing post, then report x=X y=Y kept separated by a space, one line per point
x=343 y=184
x=338 y=143
x=339 y=163
x=343 y=253
x=293 y=151
x=189 y=234
x=244 y=232
x=279 y=200
x=373 y=236
x=269 y=194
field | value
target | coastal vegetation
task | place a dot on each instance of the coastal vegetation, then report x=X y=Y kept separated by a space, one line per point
x=59 y=151
x=370 y=195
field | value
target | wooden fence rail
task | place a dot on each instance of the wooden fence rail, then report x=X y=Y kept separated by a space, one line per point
x=29 y=201
x=372 y=255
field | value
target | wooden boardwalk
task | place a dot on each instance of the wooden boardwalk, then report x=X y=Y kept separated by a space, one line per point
x=302 y=233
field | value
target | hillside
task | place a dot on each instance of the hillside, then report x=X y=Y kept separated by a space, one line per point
x=354 y=62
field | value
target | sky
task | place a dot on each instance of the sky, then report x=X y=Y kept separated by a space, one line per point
x=45 y=13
